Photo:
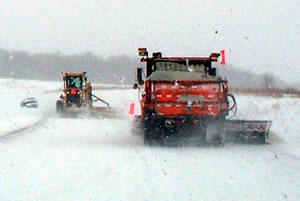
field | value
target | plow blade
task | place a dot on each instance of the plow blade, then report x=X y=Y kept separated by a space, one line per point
x=247 y=131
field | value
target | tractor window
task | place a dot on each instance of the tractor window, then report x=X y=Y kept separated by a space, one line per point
x=74 y=82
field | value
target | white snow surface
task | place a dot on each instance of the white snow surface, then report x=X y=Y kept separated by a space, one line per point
x=100 y=159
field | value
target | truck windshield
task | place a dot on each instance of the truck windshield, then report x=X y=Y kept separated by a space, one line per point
x=74 y=82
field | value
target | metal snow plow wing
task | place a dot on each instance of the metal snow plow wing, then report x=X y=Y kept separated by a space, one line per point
x=247 y=131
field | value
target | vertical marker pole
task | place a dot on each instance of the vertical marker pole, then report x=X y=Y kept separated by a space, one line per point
x=223 y=57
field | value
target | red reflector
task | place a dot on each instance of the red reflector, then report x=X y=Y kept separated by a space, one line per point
x=73 y=91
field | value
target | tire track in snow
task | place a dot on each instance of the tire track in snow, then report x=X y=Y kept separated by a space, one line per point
x=23 y=130
x=18 y=132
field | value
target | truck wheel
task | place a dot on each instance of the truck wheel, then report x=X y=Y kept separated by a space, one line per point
x=261 y=139
x=219 y=141
x=217 y=133
x=148 y=135
x=59 y=107
x=202 y=141
x=202 y=131
x=220 y=138
x=148 y=132
x=148 y=140
x=152 y=131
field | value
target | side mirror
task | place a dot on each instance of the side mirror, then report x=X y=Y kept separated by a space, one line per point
x=85 y=78
x=213 y=72
x=139 y=76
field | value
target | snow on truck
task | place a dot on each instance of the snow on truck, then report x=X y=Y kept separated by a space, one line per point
x=182 y=97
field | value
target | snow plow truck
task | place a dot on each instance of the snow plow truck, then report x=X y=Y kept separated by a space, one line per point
x=77 y=99
x=183 y=98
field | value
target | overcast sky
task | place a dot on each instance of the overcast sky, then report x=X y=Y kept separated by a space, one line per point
x=257 y=35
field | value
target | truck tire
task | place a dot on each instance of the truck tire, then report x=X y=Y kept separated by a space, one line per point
x=148 y=140
x=216 y=132
x=260 y=139
x=150 y=132
x=202 y=140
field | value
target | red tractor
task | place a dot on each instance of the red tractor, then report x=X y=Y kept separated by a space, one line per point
x=182 y=97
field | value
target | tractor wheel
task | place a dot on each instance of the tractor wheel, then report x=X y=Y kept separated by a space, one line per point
x=59 y=107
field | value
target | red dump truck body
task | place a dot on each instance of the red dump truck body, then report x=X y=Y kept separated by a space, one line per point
x=192 y=98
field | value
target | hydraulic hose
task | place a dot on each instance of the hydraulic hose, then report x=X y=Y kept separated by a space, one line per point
x=234 y=101
x=234 y=106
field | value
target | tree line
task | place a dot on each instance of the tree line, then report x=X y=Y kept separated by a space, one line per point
x=113 y=70
x=48 y=66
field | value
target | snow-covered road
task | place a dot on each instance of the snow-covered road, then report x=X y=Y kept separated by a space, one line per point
x=99 y=159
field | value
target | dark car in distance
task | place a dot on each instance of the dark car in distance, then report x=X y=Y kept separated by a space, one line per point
x=29 y=102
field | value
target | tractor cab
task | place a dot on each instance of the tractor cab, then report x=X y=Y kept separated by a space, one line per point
x=73 y=87
x=77 y=98
x=74 y=82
